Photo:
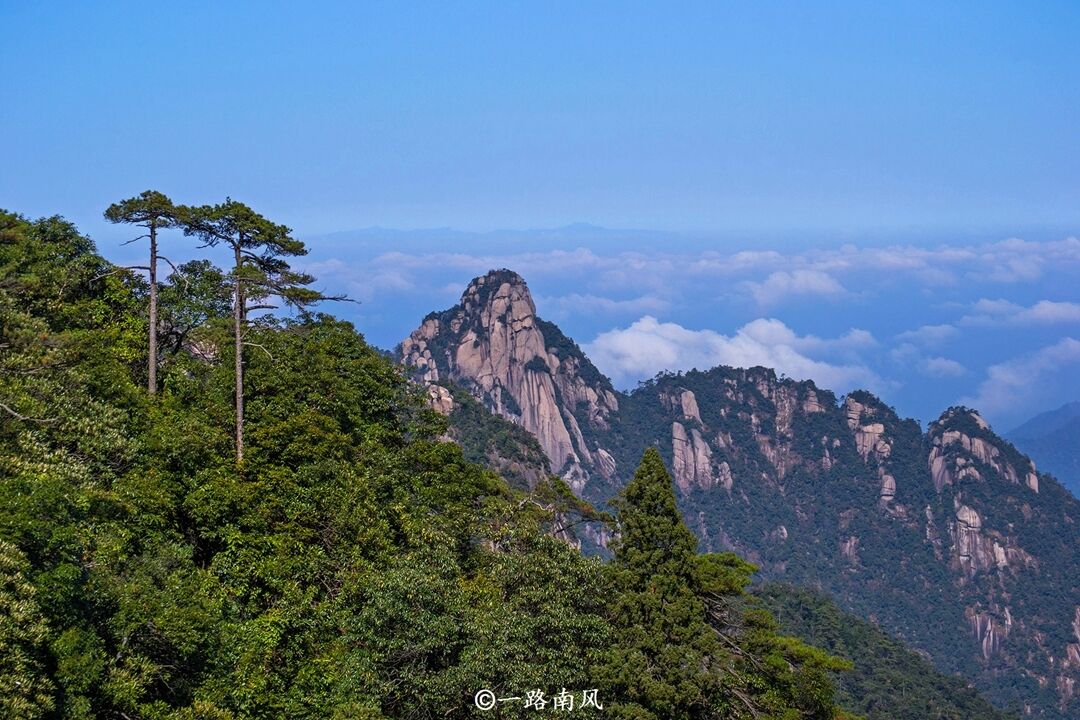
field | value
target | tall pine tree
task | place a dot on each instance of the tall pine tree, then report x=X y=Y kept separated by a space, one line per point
x=260 y=272
x=154 y=211
x=689 y=643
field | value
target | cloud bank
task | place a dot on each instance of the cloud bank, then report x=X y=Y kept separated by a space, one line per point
x=649 y=346
x=1026 y=378
x=942 y=324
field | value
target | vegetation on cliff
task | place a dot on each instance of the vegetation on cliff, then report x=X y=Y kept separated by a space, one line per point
x=889 y=681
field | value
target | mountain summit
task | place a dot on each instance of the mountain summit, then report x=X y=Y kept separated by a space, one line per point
x=950 y=538
x=520 y=367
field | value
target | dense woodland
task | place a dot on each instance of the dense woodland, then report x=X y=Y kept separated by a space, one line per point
x=227 y=513
x=889 y=681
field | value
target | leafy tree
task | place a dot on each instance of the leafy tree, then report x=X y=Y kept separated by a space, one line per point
x=689 y=643
x=25 y=688
x=355 y=566
x=154 y=211
x=196 y=296
x=259 y=273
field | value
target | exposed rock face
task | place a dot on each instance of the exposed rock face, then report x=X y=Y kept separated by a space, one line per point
x=870 y=441
x=949 y=538
x=1072 y=650
x=976 y=550
x=682 y=402
x=989 y=630
x=963 y=443
x=440 y=399
x=849 y=549
x=692 y=459
x=493 y=344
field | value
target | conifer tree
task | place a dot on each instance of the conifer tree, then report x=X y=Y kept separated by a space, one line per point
x=154 y=211
x=664 y=652
x=259 y=273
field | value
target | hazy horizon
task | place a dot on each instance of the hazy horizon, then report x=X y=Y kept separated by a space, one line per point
x=990 y=323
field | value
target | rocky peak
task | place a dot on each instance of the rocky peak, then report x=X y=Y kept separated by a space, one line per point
x=519 y=367
x=707 y=410
x=963 y=446
x=967 y=457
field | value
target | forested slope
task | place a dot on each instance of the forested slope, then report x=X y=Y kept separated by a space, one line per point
x=349 y=565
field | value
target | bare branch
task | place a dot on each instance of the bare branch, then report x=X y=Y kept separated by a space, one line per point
x=175 y=271
x=251 y=344
x=119 y=270
x=134 y=239
x=569 y=526
x=24 y=418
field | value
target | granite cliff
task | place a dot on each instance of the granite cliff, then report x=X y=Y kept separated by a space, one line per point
x=950 y=538
x=520 y=368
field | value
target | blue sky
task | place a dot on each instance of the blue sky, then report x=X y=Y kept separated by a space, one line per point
x=834 y=138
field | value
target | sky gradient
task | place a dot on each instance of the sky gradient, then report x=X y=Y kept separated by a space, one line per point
x=818 y=185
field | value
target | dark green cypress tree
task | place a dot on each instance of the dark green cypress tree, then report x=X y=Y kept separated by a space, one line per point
x=662 y=663
x=688 y=643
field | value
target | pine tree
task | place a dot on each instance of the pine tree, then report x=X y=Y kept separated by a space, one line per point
x=259 y=273
x=154 y=211
x=689 y=643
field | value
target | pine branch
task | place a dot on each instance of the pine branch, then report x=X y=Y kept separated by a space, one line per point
x=251 y=344
x=134 y=239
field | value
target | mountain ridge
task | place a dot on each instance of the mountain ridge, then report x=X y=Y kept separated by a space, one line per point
x=1053 y=439
x=949 y=538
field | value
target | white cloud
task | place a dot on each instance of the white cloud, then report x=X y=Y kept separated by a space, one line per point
x=562 y=306
x=909 y=355
x=560 y=261
x=1015 y=260
x=649 y=346
x=781 y=284
x=1004 y=312
x=996 y=307
x=358 y=283
x=941 y=367
x=611 y=283
x=1025 y=383
x=905 y=354
x=1047 y=311
x=765 y=277
x=929 y=335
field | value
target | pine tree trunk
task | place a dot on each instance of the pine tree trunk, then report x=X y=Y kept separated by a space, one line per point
x=151 y=382
x=238 y=323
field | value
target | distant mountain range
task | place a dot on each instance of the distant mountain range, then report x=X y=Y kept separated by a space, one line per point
x=948 y=539
x=1052 y=439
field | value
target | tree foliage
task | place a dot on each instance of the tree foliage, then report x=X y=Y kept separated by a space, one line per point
x=688 y=644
